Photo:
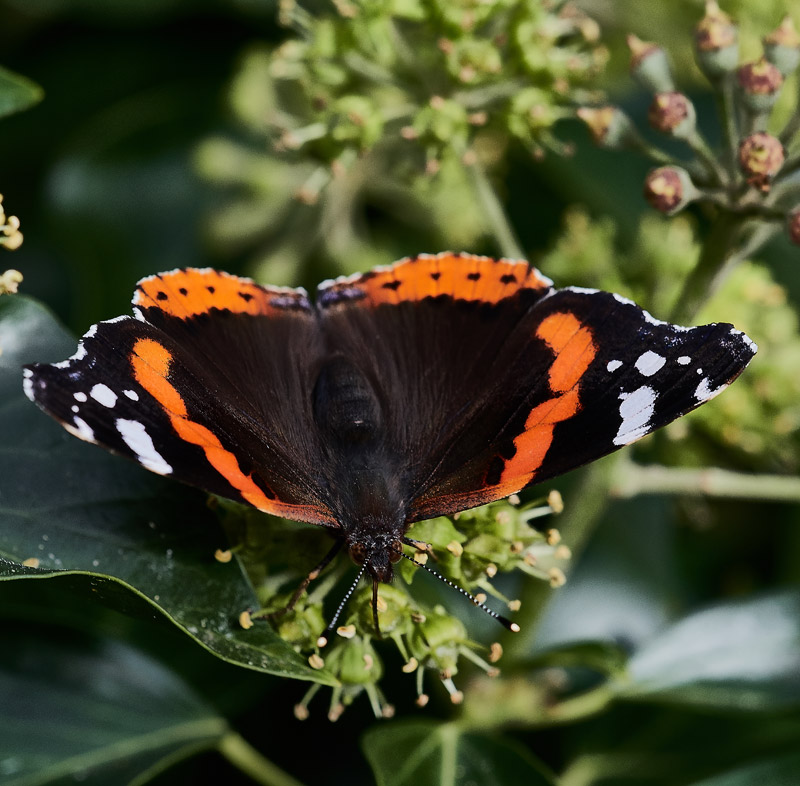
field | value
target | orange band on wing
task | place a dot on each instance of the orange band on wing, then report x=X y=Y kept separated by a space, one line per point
x=151 y=362
x=574 y=349
x=573 y=346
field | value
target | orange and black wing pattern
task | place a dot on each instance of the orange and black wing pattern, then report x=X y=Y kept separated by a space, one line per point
x=199 y=387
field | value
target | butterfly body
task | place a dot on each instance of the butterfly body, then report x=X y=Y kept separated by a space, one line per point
x=421 y=389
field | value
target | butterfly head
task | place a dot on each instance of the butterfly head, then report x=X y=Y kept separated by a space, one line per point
x=378 y=552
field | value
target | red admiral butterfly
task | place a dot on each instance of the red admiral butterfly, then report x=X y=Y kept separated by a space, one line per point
x=417 y=390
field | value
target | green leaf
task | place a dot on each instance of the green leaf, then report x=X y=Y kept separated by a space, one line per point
x=17 y=92
x=743 y=655
x=441 y=754
x=93 y=711
x=109 y=524
x=783 y=771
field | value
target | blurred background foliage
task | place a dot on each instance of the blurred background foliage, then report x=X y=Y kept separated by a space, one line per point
x=211 y=132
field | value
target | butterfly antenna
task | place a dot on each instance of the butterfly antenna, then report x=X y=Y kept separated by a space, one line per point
x=506 y=623
x=326 y=634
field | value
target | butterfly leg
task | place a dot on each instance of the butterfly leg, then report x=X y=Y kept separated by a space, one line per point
x=323 y=563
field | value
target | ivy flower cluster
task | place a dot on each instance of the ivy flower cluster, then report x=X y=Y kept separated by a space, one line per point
x=430 y=639
x=753 y=178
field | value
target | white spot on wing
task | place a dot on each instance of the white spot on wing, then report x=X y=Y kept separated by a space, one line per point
x=648 y=363
x=636 y=410
x=704 y=390
x=81 y=429
x=82 y=397
x=613 y=365
x=747 y=340
x=103 y=394
x=131 y=394
x=135 y=436
x=684 y=360
x=75 y=408
x=27 y=383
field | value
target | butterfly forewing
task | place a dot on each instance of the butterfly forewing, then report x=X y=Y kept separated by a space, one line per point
x=201 y=392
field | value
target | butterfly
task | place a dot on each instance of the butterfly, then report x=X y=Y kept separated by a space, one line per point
x=420 y=389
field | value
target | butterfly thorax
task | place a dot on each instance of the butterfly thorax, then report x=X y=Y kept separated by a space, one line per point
x=364 y=478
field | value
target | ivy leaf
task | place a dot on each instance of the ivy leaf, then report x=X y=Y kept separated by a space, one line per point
x=423 y=753
x=92 y=710
x=743 y=655
x=17 y=92
x=67 y=507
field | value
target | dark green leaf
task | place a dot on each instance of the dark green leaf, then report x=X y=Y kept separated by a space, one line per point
x=783 y=771
x=441 y=754
x=94 y=711
x=78 y=510
x=17 y=92
x=743 y=655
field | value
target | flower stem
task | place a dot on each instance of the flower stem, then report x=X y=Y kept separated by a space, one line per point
x=495 y=215
x=716 y=258
x=632 y=480
x=247 y=759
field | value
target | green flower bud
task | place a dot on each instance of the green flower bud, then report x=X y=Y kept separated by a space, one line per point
x=611 y=128
x=436 y=642
x=761 y=157
x=355 y=121
x=673 y=114
x=716 y=41
x=531 y=111
x=650 y=66
x=360 y=663
x=782 y=47
x=760 y=83
x=394 y=613
x=444 y=122
x=471 y=60
x=669 y=189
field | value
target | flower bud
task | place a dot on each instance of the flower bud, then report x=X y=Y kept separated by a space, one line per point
x=782 y=47
x=673 y=114
x=649 y=65
x=761 y=157
x=793 y=225
x=610 y=126
x=716 y=41
x=669 y=189
x=760 y=83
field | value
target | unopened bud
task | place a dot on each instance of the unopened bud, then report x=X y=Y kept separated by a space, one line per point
x=760 y=83
x=673 y=114
x=716 y=42
x=793 y=225
x=669 y=189
x=761 y=157
x=782 y=47
x=649 y=65
x=610 y=126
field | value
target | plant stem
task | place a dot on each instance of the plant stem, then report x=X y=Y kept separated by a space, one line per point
x=495 y=215
x=717 y=255
x=730 y=123
x=632 y=479
x=247 y=759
